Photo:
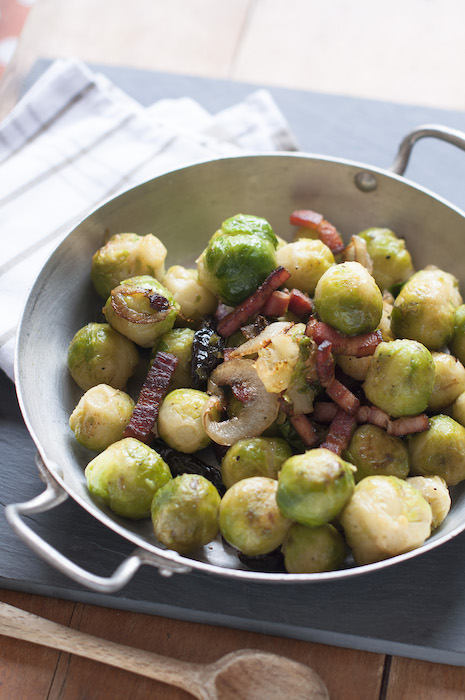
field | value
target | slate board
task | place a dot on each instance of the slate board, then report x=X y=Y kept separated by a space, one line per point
x=414 y=609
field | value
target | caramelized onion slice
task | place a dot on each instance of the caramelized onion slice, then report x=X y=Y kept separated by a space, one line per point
x=257 y=413
x=252 y=346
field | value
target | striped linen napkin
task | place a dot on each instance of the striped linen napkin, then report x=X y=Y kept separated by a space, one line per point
x=75 y=140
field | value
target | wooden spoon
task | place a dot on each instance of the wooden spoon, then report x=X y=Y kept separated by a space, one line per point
x=245 y=674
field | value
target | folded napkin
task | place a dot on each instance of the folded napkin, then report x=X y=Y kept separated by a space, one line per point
x=75 y=140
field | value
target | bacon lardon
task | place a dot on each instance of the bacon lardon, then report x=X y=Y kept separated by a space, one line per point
x=340 y=432
x=358 y=345
x=314 y=221
x=333 y=387
x=253 y=304
x=151 y=395
x=305 y=429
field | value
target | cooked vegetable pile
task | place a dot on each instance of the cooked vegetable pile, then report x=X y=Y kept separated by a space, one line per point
x=303 y=400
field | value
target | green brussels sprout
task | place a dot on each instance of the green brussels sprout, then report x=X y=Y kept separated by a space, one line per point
x=194 y=299
x=126 y=255
x=261 y=456
x=238 y=258
x=458 y=409
x=314 y=487
x=348 y=299
x=311 y=550
x=303 y=385
x=141 y=309
x=449 y=381
x=355 y=367
x=386 y=516
x=286 y=365
x=392 y=263
x=250 y=519
x=126 y=477
x=457 y=343
x=98 y=354
x=373 y=451
x=180 y=422
x=306 y=260
x=101 y=417
x=440 y=450
x=185 y=513
x=424 y=310
x=400 y=378
x=435 y=492
x=178 y=342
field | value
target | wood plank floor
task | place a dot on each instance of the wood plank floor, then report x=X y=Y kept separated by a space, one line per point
x=407 y=52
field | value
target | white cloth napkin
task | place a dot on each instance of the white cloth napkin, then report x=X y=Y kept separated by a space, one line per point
x=75 y=140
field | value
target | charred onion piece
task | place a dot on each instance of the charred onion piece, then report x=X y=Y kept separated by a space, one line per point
x=257 y=414
x=207 y=353
x=118 y=303
x=251 y=330
x=340 y=432
x=180 y=463
x=151 y=395
x=253 y=304
x=305 y=430
x=158 y=302
x=314 y=221
x=356 y=345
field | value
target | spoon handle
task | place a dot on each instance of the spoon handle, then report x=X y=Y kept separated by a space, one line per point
x=20 y=624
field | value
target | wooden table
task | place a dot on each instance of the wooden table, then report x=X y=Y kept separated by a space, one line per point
x=283 y=42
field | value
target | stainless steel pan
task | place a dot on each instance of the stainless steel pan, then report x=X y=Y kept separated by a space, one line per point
x=184 y=208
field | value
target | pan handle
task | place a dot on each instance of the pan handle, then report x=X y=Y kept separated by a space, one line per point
x=52 y=497
x=444 y=133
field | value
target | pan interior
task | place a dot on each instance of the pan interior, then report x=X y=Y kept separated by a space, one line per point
x=184 y=209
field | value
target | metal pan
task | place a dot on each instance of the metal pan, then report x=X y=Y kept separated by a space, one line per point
x=183 y=208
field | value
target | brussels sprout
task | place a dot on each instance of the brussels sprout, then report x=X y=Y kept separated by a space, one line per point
x=141 y=309
x=238 y=258
x=126 y=255
x=458 y=409
x=400 y=378
x=185 y=513
x=385 y=322
x=250 y=519
x=449 y=381
x=303 y=385
x=355 y=367
x=457 y=343
x=101 y=416
x=392 y=263
x=306 y=260
x=373 y=451
x=287 y=363
x=310 y=550
x=126 y=477
x=194 y=299
x=386 y=516
x=348 y=299
x=435 y=492
x=314 y=487
x=261 y=456
x=180 y=420
x=98 y=354
x=178 y=342
x=440 y=450
x=424 y=310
